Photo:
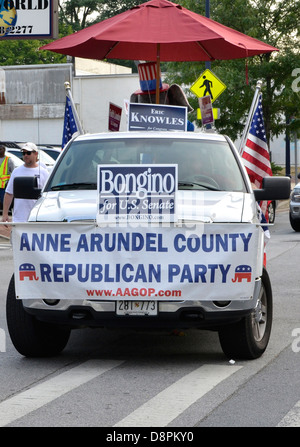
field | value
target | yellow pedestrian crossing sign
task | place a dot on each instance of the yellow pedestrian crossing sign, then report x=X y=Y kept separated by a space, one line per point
x=208 y=84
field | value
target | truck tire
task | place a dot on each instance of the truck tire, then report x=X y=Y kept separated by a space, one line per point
x=249 y=338
x=31 y=337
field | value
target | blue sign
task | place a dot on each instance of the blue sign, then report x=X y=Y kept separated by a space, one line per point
x=155 y=117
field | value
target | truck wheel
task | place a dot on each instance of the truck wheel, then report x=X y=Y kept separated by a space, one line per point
x=31 y=337
x=248 y=338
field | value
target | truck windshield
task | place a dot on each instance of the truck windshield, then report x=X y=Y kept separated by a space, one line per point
x=202 y=164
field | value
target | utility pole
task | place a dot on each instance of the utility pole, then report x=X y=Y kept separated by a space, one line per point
x=287 y=149
x=207 y=14
x=296 y=158
x=207 y=63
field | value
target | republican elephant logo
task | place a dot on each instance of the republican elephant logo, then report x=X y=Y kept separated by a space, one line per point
x=27 y=271
x=242 y=271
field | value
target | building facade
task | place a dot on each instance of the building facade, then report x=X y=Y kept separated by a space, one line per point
x=32 y=101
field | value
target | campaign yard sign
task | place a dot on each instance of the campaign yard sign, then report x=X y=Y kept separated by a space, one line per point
x=206 y=110
x=114 y=117
x=156 y=117
x=137 y=193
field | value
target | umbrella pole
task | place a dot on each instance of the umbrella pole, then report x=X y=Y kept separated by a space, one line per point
x=157 y=72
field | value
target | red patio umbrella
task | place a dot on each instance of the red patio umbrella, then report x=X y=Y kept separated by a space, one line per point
x=159 y=30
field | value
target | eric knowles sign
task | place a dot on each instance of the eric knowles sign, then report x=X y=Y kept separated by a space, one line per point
x=156 y=117
x=137 y=193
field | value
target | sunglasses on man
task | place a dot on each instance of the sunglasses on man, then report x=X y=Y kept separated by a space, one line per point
x=27 y=152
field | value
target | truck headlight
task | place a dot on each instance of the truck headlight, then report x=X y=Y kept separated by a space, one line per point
x=296 y=196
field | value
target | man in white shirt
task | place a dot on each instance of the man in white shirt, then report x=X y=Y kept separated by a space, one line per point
x=30 y=168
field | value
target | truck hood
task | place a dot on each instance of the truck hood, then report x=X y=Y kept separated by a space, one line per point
x=202 y=206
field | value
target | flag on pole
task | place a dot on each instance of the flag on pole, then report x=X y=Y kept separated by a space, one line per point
x=256 y=159
x=256 y=155
x=70 y=126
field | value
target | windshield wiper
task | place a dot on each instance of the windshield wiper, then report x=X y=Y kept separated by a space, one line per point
x=82 y=185
x=192 y=184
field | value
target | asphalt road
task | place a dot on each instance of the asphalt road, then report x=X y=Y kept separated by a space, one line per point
x=117 y=379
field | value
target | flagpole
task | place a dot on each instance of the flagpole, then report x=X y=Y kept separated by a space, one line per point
x=69 y=94
x=250 y=115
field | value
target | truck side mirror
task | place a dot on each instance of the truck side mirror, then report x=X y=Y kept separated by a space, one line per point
x=26 y=188
x=274 y=188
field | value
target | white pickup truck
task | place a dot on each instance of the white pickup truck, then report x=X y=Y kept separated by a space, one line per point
x=143 y=230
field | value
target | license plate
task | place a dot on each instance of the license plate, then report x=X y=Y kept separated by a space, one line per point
x=136 y=308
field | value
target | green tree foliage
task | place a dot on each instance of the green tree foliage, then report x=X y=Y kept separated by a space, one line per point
x=276 y=23
x=26 y=52
x=78 y=14
x=114 y=7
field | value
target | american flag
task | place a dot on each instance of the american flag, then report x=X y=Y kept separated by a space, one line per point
x=256 y=159
x=256 y=153
x=70 y=126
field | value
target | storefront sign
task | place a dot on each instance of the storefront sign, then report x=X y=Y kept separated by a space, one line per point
x=28 y=19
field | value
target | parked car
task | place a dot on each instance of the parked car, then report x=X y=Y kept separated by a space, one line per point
x=17 y=161
x=295 y=207
x=54 y=152
x=10 y=144
x=116 y=240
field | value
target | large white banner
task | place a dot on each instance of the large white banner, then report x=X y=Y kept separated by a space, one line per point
x=172 y=262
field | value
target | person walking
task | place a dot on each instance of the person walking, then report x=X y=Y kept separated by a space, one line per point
x=208 y=86
x=6 y=168
x=30 y=168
